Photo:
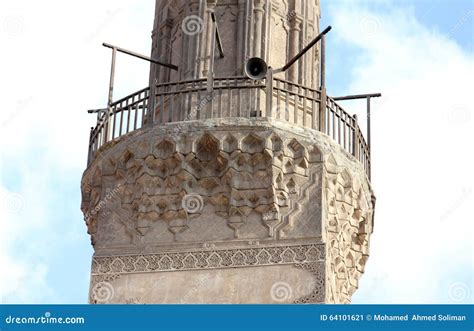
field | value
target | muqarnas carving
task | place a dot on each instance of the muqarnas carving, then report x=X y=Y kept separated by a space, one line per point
x=232 y=189
x=348 y=211
x=205 y=187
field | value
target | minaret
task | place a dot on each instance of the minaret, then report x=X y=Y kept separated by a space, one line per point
x=229 y=179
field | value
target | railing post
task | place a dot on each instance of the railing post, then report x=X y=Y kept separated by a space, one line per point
x=210 y=73
x=323 y=61
x=89 y=155
x=322 y=111
x=323 y=103
x=151 y=101
x=269 y=91
x=111 y=94
x=355 y=140
x=368 y=122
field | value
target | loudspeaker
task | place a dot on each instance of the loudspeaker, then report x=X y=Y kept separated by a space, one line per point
x=256 y=68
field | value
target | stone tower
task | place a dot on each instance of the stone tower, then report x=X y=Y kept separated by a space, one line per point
x=211 y=187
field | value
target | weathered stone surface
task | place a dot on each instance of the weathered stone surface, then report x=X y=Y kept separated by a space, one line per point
x=220 y=286
x=274 y=30
x=228 y=194
x=252 y=275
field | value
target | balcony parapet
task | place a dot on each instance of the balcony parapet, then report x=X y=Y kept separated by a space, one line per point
x=230 y=97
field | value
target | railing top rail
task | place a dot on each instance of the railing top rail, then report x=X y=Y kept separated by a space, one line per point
x=333 y=101
x=296 y=84
x=130 y=96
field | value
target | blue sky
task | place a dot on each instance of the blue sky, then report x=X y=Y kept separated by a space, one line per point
x=453 y=18
x=418 y=53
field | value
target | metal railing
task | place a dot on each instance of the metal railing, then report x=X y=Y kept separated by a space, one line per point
x=230 y=97
x=123 y=116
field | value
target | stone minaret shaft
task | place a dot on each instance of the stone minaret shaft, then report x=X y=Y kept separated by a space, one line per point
x=274 y=30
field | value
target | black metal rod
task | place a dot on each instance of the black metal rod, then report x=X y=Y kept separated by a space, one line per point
x=218 y=36
x=140 y=56
x=368 y=97
x=358 y=96
x=323 y=62
x=368 y=122
x=112 y=77
x=306 y=49
x=101 y=110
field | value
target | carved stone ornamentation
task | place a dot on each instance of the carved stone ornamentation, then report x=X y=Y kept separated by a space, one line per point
x=243 y=186
x=348 y=211
x=236 y=196
x=224 y=188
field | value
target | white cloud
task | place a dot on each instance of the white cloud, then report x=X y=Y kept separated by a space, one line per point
x=422 y=158
x=53 y=68
x=22 y=283
x=23 y=280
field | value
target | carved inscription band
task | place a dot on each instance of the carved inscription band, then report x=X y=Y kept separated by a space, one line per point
x=208 y=259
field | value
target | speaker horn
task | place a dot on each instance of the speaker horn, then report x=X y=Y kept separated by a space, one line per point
x=256 y=68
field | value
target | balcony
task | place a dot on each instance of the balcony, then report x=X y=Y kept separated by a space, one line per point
x=230 y=97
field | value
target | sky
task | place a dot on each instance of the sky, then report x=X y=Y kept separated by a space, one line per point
x=418 y=54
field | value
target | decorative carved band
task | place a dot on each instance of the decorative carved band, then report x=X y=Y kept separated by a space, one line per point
x=317 y=269
x=208 y=259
